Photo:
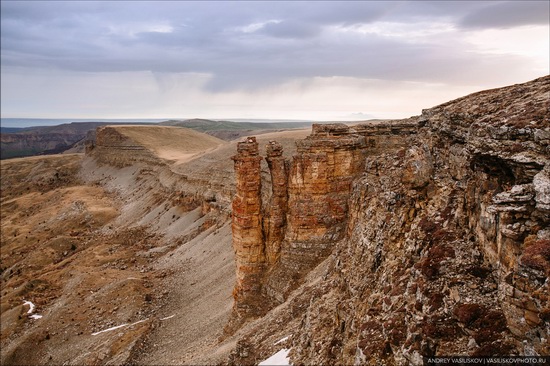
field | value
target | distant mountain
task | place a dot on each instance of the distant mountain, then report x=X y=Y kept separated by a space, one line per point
x=37 y=122
x=11 y=129
x=229 y=130
x=29 y=141
x=41 y=140
x=204 y=125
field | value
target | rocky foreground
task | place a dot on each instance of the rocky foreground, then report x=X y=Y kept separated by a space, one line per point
x=377 y=243
x=435 y=232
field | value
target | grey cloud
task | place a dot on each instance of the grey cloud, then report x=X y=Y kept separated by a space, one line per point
x=373 y=58
x=345 y=13
x=509 y=14
x=407 y=11
x=291 y=29
x=205 y=38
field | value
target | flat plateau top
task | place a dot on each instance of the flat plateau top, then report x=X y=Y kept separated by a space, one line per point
x=171 y=143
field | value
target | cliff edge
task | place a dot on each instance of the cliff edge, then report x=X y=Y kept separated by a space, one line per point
x=387 y=243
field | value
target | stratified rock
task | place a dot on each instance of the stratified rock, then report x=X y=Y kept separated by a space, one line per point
x=116 y=149
x=247 y=228
x=308 y=210
x=541 y=183
x=434 y=231
x=278 y=206
x=418 y=168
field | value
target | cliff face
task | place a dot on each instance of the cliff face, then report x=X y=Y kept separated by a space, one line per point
x=45 y=140
x=435 y=232
x=275 y=223
x=114 y=148
x=278 y=241
x=319 y=182
x=247 y=226
x=27 y=144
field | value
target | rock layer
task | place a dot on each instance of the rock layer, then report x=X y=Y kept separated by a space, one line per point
x=277 y=210
x=248 y=240
x=308 y=208
x=114 y=148
x=446 y=242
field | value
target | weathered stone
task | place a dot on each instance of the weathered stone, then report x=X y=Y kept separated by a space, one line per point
x=518 y=194
x=308 y=209
x=419 y=239
x=247 y=228
x=532 y=318
x=418 y=167
x=541 y=183
x=278 y=207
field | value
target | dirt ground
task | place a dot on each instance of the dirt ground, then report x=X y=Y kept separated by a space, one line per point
x=121 y=265
x=55 y=255
x=65 y=250
x=171 y=143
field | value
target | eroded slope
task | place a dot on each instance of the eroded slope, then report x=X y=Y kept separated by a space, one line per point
x=80 y=241
x=447 y=244
x=121 y=238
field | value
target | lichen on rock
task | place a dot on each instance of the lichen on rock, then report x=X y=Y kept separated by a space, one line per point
x=420 y=237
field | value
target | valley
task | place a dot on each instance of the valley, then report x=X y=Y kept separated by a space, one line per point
x=381 y=242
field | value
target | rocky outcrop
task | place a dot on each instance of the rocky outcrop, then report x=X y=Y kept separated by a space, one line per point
x=28 y=144
x=319 y=184
x=248 y=241
x=307 y=211
x=116 y=149
x=448 y=249
x=446 y=242
x=275 y=222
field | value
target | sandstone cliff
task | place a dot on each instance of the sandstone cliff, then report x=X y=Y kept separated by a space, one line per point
x=44 y=140
x=28 y=144
x=306 y=209
x=435 y=232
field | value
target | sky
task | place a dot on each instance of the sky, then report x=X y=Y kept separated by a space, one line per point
x=260 y=59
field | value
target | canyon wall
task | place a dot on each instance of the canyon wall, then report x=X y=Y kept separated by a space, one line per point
x=275 y=223
x=442 y=246
x=248 y=238
x=278 y=241
x=114 y=148
x=28 y=144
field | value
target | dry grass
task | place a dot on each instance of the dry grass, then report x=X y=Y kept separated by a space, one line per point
x=172 y=143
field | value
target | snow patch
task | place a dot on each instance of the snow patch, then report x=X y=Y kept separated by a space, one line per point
x=279 y=358
x=117 y=327
x=31 y=306
x=281 y=340
x=31 y=310
x=168 y=317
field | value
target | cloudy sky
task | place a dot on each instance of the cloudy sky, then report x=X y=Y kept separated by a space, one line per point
x=295 y=60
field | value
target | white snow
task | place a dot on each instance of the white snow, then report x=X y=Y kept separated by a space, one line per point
x=118 y=326
x=279 y=358
x=168 y=317
x=31 y=306
x=31 y=310
x=109 y=329
x=281 y=340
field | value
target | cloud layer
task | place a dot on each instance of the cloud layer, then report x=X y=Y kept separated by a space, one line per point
x=246 y=48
